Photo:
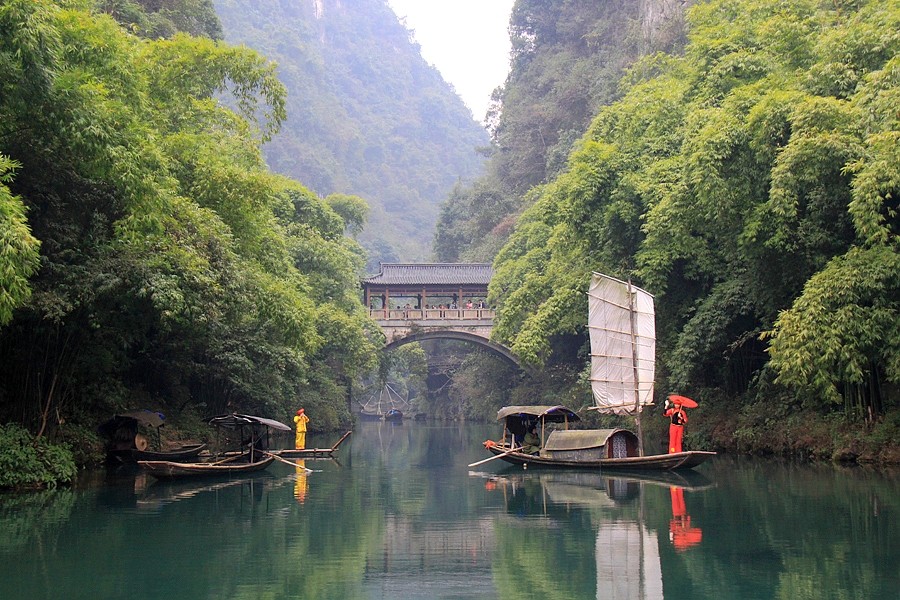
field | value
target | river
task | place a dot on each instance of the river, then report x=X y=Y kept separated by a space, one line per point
x=400 y=515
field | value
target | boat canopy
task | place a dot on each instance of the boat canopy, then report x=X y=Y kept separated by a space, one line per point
x=582 y=439
x=550 y=414
x=236 y=421
x=132 y=419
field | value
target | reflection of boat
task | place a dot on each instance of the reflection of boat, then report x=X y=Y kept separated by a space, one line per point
x=253 y=456
x=127 y=445
x=686 y=479
x=593 y=488
x=621 y=322
x=578 y=449
x=311 y=452
x=167 y=491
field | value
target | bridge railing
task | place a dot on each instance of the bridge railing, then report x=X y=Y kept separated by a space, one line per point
x=432 y=314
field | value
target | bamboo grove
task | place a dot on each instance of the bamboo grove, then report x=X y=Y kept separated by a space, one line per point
x=751 y=183
x=148 y=257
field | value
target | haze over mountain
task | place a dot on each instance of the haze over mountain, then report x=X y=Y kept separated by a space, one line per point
x=366 y=114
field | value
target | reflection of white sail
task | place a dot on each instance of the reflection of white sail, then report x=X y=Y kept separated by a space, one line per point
x=628 y=566
x=622 y=328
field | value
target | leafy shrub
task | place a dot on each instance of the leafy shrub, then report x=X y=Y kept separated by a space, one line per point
x=28 y=462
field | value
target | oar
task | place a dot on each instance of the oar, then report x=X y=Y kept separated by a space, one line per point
x=340 y=441
x=481 y=462
x=284 y=460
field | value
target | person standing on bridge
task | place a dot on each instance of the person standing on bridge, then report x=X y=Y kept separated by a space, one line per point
x=300 y=420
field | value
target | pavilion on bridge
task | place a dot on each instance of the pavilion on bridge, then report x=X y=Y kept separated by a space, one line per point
x=429 y=291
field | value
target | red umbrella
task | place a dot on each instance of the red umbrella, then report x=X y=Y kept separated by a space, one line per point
x=683 y=401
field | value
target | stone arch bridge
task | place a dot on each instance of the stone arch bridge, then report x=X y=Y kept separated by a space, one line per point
x=417 y=302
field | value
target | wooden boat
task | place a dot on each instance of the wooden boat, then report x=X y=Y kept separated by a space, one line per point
x=183 y=453
x=127 y=445
x=253 y=435
x=579 y=449
x=311 y=452
x=393 y=415
x=622 y=327
x=238 y=465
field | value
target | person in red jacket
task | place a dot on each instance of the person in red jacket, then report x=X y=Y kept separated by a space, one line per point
x=679 y=419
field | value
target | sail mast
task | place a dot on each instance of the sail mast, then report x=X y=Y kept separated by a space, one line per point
x=634 y=366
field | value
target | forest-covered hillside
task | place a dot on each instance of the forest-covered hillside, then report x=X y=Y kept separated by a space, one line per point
x=366 y=115
x=567 y=59
x=750 y=181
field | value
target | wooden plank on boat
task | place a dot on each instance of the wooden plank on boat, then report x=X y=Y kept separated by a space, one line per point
x=311 y=452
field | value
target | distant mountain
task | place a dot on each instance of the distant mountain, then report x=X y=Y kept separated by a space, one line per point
x=366 y=114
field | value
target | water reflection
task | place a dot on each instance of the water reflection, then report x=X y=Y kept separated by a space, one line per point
x=403 y=517
x=626 y=549
x=681 y=533
x=301 y=483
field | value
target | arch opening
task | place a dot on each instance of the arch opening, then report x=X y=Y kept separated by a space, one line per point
x=496 y=349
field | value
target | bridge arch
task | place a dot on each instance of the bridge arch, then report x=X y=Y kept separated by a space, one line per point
x=496 y=349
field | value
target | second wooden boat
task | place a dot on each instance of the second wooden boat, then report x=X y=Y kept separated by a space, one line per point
x=252 y=435
x=166 y=469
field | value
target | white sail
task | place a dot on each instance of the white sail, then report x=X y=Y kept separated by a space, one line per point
x=622 y=328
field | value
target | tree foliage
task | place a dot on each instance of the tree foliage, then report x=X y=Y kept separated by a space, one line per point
x=175 y=269
x=752 y=186
x=567 y=59
x=18 y=248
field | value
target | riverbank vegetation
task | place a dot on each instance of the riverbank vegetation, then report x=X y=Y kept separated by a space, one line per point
x=750 y=182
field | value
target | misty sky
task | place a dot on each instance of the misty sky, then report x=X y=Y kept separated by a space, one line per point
x=467 y=40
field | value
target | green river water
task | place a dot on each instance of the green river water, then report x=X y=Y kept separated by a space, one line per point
x=400 y=515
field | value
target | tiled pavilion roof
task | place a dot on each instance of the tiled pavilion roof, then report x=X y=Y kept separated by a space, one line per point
x=432 y=274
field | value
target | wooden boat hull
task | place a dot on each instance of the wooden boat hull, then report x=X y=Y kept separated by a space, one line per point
x=655 y=462
x=187 y=453
x=165 y=469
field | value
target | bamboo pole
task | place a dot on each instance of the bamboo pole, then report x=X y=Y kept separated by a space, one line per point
x=340 y=441
x=481 y=462
x=634 y=366
x=286 y=461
